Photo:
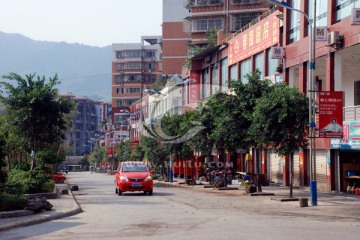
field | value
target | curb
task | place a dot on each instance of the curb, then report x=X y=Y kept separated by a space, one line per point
x=42 y=219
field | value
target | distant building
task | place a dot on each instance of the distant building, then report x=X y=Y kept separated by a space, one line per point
x=87 y=125
x=135 y=67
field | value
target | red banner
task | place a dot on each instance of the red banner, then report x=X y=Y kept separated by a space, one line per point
x=330 y=114
x=257 y=38
x=194 y=90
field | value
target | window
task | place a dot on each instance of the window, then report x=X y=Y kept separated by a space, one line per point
x=224 y=72
x=132 y=90
x=321 y=12
x=119 y=78
x=357 y=93
x=133 y=77
x=118 y=54
x=234 y=72
x=133 y=66
x=119 y=103
x=295 y=22
x=132 y=54
x=150 y=66
x=205 y=24
x=206 y=84
x=343 y=8
x=242 y=20
x=149 y=54
x=259 y=63
x=215 y=79
x=119 y=90
x=119 y=66
x=245 y=68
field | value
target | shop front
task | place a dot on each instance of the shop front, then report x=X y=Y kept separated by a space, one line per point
x=346 y=152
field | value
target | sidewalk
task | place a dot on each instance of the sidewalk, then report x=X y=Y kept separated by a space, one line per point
x=63 y=206
x=336 y=206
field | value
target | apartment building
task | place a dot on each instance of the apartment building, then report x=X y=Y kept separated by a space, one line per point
x=86 y=129
x=135 y=67
x=175 y=40
x=227 y=16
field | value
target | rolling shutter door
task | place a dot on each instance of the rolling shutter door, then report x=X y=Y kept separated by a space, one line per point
x=276 y=168
x=321 y=170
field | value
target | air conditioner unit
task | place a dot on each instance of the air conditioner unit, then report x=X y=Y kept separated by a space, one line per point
x=333 y=38
x=121 y=72
x=152 y=59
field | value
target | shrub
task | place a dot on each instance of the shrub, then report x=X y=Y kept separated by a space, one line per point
x=17 y=182
x=21 y=182
x=40 y=182
x=9 y=202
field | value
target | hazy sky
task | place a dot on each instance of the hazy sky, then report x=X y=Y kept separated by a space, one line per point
x=90 y=22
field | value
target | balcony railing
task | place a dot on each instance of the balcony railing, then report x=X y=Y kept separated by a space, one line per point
x=243 y=2
x=202 y=3
x=351 y=113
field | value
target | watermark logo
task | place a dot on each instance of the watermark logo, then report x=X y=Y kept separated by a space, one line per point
x=169 y=102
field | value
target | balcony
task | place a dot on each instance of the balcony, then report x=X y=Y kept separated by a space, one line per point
x=245 y=2
x=351 y=113
x=202 y=3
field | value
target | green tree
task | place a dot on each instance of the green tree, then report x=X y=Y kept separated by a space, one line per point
x=97 y=155
x=248 y=91
x=279 y=120
x=35 y=109
x=123 y=153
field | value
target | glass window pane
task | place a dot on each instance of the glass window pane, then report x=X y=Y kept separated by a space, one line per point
x=234 y=72
x=245 y=67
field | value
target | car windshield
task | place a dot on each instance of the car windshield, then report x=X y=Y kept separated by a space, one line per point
x=134 y=167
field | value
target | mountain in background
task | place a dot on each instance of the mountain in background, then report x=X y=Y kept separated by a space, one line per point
x=84 y=71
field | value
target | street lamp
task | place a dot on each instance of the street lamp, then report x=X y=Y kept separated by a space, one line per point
x=311 y=84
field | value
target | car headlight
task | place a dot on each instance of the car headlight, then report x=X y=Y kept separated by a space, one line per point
x=124 y=179
x=148 y=178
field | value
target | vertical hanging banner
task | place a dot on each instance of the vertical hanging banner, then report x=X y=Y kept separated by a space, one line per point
x=194 y=87
x=330 y=114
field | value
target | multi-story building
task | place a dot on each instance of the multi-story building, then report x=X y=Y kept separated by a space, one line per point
x=135 y=67
x=336 y=69
x=186 y=23
x=175 y=40
x=86 y=128
x=227 y=16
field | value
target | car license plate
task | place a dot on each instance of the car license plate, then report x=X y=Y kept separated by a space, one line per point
x=136 y=184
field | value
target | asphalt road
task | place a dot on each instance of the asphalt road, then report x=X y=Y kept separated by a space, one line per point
x=181 y=213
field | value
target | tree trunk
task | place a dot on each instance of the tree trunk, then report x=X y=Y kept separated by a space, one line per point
x=291 y=162
x=258 y=167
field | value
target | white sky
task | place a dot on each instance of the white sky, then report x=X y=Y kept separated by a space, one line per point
x=90 y=22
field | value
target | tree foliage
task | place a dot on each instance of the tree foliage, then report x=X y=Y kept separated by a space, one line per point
x=36 y=113
x=280 y=118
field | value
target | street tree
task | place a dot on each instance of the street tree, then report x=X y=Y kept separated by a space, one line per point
x=35 y=109
x=248 y=91
x=279 y=120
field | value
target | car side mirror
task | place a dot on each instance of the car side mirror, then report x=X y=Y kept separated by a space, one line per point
x=115 y=171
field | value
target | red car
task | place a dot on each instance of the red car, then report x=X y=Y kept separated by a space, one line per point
x=133 y=176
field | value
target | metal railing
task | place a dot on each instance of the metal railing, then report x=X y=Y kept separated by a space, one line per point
x=246 y=27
